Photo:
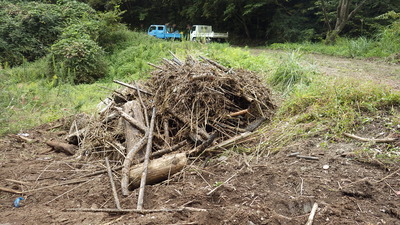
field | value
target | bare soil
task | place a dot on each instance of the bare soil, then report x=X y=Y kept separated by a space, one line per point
x=272 y=188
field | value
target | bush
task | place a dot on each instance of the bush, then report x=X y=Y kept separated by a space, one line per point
x=77 y=60
x=28 y=29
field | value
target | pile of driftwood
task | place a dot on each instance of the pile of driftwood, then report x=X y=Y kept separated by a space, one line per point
x=186 y=108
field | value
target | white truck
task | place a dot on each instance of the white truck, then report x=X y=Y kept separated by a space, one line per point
x=205 y=33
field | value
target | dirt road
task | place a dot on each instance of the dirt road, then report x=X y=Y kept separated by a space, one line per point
x=374 y=71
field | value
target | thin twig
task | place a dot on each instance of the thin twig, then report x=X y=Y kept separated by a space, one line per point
x=68 y=191
x=146 y=117
x=114 y=190
x=212 y=191
x=142 y=211
x=388 y=176
x=312 y=214
x=146 y=161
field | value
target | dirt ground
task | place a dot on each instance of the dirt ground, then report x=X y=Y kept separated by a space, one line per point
x=232 y=188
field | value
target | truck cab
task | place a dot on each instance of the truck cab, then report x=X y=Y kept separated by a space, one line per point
x=205 y=33
x=162 y=32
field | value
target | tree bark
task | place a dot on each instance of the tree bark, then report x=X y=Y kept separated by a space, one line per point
x=343 y=15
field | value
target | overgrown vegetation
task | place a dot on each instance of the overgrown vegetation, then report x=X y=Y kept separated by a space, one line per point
x=385 y=44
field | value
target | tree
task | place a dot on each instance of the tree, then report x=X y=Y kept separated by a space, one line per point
x=343 y=15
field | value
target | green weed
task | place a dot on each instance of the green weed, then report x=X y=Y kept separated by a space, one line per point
x=291 y=73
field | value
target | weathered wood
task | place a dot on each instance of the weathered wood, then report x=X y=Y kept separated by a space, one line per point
x=146 y=161
x=10 y=190
x=166 y=150
x=136 y=123
x=238 y=113
x=230 y=141
x=166 y=131
x=384 y=140
x=198 y=130
x=159 y=169
x=132 y=134
x=143 y=211
x=132 y=87
x=74 y=136
x=127 y=163
x=114 y=190
x=219 y=66
x=155 y=66
x=62 y=147
x=312 y=214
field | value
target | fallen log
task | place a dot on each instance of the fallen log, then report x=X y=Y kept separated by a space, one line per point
x=62 y=147
x=158 y=169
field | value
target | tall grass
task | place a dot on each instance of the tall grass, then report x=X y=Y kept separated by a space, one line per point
x=291 y=72
x=384 y=46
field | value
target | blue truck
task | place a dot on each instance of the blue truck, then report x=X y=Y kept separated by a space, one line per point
x=162 y=31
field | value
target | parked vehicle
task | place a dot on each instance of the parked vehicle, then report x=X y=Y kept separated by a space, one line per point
x=206 y=34
x=163 y=32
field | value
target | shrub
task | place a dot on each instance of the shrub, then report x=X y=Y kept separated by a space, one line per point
x=77 y=60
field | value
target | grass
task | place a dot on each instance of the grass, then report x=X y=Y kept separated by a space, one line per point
x=385 y=46
x=29 y=98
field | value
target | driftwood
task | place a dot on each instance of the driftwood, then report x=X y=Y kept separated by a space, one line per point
x=384 y=140
x=146 y=161
x=159 y=169
x=62 y=147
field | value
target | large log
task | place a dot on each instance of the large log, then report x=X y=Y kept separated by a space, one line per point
x=158 y=169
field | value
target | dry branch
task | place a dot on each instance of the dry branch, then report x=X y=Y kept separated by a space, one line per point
x=131 y=87
x=114 y=190
x=312 y=214
x=127 y=163
x=62 y=147
x=146 y=161
x=10 y=190
x=385 y=140
x=136 y=123
x=143 y=211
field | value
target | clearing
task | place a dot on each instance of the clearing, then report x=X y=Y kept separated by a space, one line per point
x=268 y=188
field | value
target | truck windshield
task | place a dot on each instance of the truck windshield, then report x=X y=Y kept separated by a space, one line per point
x=152 y=28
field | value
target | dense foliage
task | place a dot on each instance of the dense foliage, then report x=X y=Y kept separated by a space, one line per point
x=268 y=20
